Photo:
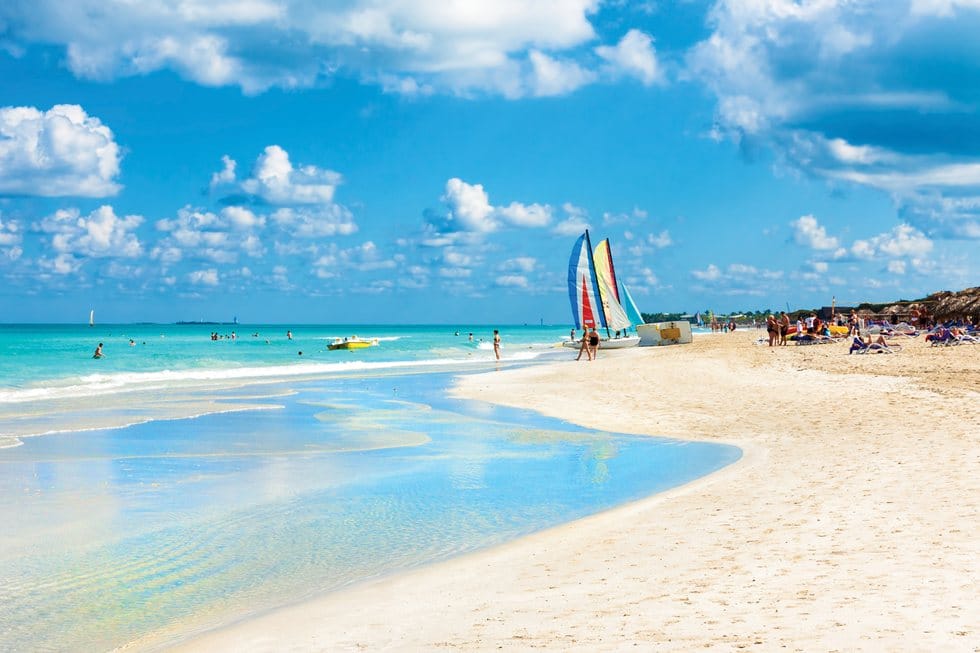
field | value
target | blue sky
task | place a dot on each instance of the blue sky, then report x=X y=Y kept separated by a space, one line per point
x=415 y=161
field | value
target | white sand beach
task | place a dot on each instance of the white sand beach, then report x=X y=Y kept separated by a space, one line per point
x=849 y=524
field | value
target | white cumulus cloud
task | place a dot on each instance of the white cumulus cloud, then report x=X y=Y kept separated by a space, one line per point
x=555 y=77
x=711 y=273
x=634 y=55
x=575 y=222
x=10 y=240
x=207 y=277
x=227 y=173
x=903 y=240
x=512 y=281
x=470 y=210
x=216 y=237
x=330 y=220
x=59 y=152
x=520 y=264
x=99 y=234
x=277 y=181
x=403 y=45
x=808 y=232
x=242 y=218
x=835 y=88
x=469 y=205
x=525 y=215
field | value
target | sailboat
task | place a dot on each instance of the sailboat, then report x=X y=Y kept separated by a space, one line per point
x=594 y=295
x=91 y=317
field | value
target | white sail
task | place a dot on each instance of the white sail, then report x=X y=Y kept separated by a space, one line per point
x=91 y=318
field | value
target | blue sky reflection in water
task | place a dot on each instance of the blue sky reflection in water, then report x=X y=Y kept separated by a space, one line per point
x=164 y=525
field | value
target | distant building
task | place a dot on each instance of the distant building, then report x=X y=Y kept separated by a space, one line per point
x=828 y=312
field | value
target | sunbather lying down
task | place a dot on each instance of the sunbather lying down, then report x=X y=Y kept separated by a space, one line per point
x=879 y=346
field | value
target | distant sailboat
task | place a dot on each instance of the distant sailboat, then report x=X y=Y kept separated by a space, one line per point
x=91 y=318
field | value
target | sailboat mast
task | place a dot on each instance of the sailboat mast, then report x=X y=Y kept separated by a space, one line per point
x=595 y=283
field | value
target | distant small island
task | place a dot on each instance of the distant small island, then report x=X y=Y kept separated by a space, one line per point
x=201 y=322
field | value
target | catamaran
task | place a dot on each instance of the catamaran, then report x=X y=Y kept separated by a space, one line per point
x=594 y=294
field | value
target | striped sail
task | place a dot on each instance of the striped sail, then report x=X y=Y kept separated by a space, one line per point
x=615 y=315
x=583 y=291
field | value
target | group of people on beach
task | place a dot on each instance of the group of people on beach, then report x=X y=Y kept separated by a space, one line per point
x=590 y=343
x=777 y=328
x=723 y=327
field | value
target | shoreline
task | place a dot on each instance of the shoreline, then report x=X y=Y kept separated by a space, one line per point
x=852 y=537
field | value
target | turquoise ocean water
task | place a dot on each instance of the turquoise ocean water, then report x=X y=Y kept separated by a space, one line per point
x=182 y=483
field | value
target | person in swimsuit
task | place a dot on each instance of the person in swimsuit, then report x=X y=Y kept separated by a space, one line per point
x=496 y=343
x=98 y=352
x=594 y=343
x=584 y=348
x=772 y=328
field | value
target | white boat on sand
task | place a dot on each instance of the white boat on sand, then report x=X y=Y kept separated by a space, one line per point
x=612 y=343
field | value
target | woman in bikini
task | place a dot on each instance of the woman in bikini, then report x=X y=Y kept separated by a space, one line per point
x=584 y=348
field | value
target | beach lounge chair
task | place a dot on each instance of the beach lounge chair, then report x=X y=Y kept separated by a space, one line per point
x=859 y=346
x=942 y=338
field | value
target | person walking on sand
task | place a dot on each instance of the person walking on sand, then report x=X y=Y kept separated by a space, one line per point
x=593 y=343
x=496 y=343
x=585 y=346
x=98 y=352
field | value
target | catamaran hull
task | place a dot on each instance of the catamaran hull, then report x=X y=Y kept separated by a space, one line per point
x=615 y=343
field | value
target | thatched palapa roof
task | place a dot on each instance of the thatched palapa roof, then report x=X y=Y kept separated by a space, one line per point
x=953 y=305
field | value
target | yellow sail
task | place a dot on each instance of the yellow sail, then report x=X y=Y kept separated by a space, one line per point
x=608 y=293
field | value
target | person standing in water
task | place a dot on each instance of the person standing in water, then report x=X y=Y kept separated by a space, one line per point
x=98 y=352
x=496 y=343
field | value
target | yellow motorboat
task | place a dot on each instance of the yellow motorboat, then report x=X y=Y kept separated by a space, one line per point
x=351 y=343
